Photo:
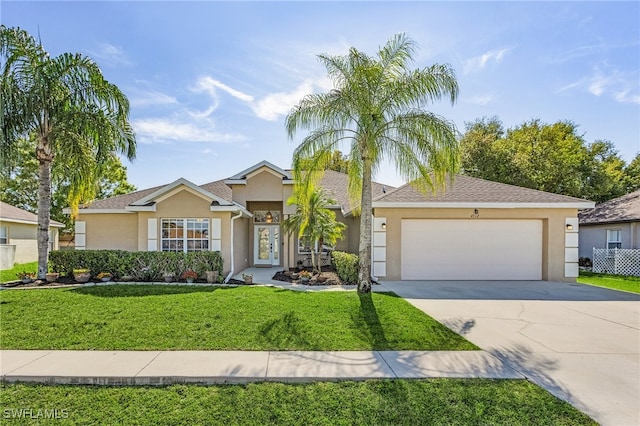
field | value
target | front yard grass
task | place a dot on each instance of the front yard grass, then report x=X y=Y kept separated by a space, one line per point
x=154 y=317
x=7 y=275
x=391 y=402
x=615 y=282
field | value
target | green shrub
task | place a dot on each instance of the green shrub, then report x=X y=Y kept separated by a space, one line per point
x=346 y=265
x=140 y=265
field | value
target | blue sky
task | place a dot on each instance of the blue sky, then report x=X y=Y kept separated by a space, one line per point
x=211 y=82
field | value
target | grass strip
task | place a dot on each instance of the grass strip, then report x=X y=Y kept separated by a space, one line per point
x=375 y=402
x=614 y=282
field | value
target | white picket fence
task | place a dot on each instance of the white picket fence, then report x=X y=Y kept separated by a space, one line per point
x=617 y=261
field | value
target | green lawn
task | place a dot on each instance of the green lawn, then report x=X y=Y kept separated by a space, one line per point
x=7 y=275
x=375 y=402
x=615 y=282
x=148 y=317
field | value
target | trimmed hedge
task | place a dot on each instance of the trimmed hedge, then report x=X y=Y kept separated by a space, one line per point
x=140 y=265
x=346 y=265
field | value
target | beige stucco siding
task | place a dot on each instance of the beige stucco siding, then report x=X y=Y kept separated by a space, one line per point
x=110 y=231
x=241 y=257
x=185 y=204
x=263 y=186
x=553 y=229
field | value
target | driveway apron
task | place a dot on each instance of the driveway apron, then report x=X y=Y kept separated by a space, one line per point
x=582 y=343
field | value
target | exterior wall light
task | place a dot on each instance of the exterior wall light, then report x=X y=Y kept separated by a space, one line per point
x=569 y=227
x=269 y=217
x=384 y=226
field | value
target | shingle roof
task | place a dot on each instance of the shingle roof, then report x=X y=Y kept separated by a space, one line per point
x=337 y=185
x=466 y=189
x=121 y=201
x=621 y=209
x=11 y=213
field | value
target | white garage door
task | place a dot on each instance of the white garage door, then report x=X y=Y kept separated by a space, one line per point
x=471 y=249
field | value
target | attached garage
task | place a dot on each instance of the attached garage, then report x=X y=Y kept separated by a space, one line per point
x=474 y=229
x=473 y=249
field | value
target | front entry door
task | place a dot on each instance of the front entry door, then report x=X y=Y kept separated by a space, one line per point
x=266 y=245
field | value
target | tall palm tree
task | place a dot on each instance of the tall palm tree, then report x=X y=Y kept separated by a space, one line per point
x=314 y=222
x=76 y=115
x=376 y=107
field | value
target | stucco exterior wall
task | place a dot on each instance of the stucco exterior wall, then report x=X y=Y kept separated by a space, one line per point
x=110 y=231
x=596 y=236
x=240 y=237
x=24 y=237
x=261 y=186
x=553 y=229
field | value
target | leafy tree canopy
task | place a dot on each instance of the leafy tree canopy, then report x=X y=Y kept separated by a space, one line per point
x=19 y=182
x=548 y=157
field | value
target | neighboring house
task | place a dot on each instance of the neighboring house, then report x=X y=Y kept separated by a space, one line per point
x=474 y=230
x=18 y=236
x=612 y=224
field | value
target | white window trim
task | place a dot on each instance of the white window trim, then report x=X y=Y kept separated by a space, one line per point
x=610 y=241
x=4 y=235
x=185 y=238
x=325 y=248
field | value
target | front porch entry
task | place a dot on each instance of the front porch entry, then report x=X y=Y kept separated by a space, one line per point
x=266 y=245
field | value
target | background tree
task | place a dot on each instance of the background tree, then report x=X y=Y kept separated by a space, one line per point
x=313 y=221
x=376 y=107
x=19 y=182
x=632 y=175
x=78 y=118
x=548 y=157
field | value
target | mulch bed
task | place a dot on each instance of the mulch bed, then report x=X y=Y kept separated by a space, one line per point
x=328 y=276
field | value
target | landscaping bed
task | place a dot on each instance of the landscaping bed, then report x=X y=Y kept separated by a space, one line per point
x=328 y=276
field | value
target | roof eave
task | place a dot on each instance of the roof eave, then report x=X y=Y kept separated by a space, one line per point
x=483 y=204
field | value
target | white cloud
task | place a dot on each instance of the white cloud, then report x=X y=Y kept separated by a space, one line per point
x=623 y=87
x=479 y=62
x=209 y=85
x=480 y=99
x=151 y=98
x=270 y=107
x=274 y=105
x=151 y=130
x=109 y=54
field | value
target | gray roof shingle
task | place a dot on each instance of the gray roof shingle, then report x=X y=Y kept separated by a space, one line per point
x=467 y=189
x=621 y=209
x=334 y=182
x=11 y=213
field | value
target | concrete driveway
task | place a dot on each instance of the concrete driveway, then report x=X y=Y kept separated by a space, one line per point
x=581 y=343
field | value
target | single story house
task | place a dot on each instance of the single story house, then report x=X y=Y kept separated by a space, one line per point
x=18 y=236
x=611 y=224
x=473 y=230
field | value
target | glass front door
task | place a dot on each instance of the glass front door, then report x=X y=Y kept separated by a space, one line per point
x=266 y=245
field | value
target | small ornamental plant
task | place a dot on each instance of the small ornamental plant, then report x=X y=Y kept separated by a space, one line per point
x=305 y=275
x=24 y=275
x=80 y=271
x=102 y=275
x=189 y=275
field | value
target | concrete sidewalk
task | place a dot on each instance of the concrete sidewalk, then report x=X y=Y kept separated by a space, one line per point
x=211 y=367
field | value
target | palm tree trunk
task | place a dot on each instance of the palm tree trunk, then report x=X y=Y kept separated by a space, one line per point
x=364 y=272
x=44 y=208
x=319 y=258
